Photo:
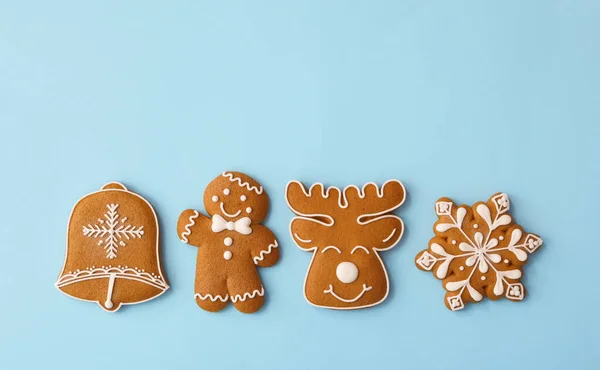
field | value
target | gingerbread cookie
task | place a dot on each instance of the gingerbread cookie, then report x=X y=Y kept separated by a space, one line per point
x=231 y=243
x=345 y=231
x=478 y=251
x=112 y=255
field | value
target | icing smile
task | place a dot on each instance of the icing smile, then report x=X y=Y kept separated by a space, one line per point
x=364 y=289
x=229 y=214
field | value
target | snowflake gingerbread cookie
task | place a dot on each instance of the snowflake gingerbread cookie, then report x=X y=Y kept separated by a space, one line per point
x=231 y=243
x=478 y=251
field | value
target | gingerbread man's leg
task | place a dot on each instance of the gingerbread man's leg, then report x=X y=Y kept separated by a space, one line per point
x=246 y=290
x=210 y=290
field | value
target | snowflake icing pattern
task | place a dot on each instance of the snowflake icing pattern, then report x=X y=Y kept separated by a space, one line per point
x=112 y=231
x=478 y=251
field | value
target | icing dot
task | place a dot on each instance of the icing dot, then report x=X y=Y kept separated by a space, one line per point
x=228 y=241
x=461 y=268
x=483 y=278
x=249 y=210
x=243 y=198
x=226 y=191
x=215 y=198
x=227 y=255
x=475 y=226
x=501 y=238
x=346 y=272
x=505 y=261
x=454 y=242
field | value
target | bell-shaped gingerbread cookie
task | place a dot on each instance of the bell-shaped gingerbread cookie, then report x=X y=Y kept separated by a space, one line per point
x=112 y=255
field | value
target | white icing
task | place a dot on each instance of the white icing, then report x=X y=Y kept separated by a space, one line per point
x=475 y=226
x=331 y=247
x=232 y=178
x=390 y=236
x=65 y=279
x=359 y=247
x=302 y=240
x=228 y=241
x=111 y=284
x=346 y=272
x=130 y=273
x=212 y=298
x=215 y=198
x=230 y=215
x=261 y=255
x=249 y=210
x=187 y=231
x=236 y=298
x=226 y=191
x=241 y=226
x=227 y=255
x=243 y=198
x=242 y=298
x=330 y=291
x=115 y=231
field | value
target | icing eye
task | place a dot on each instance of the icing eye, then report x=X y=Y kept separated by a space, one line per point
x=243 y=198
x=226 y=191
x=360 y=248
x=248 y=210
x=215 y=198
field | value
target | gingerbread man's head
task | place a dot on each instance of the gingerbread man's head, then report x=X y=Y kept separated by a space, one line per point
x=234 y=195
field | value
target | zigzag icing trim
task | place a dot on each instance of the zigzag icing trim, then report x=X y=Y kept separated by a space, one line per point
x=232 y=178
x=99 y=273
x=211 y=297
x=236 y=298
x=187 y=231
x=262 y=254
x=239 y=297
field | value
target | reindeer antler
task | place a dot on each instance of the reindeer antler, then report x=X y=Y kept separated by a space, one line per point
x=318 y=202
x=372 y=201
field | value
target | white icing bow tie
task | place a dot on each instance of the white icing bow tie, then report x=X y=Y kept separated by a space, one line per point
x=242 y=225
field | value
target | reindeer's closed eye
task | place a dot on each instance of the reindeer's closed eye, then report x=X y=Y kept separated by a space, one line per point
x=359 y=248
x=333 y=247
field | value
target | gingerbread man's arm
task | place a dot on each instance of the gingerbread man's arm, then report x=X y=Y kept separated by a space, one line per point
x=191 y=227
x=265 y=248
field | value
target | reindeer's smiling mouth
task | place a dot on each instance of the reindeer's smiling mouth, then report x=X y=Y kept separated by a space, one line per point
x=364 y=289
x=229 y=214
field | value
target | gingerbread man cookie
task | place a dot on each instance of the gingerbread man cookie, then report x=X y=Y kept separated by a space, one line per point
x=346 y=230
x=478 y=251
x=231 y=243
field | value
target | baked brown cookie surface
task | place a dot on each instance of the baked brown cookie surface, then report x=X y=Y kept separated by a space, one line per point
x=478 y=251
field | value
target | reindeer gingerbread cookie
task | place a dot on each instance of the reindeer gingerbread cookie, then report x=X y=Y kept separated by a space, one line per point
x=231 y=243
x=346 y=230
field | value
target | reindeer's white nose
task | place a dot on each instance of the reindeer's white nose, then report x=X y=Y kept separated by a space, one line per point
x=346 y=272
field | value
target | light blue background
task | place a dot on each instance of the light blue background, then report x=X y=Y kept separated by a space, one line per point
x=455 y=98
